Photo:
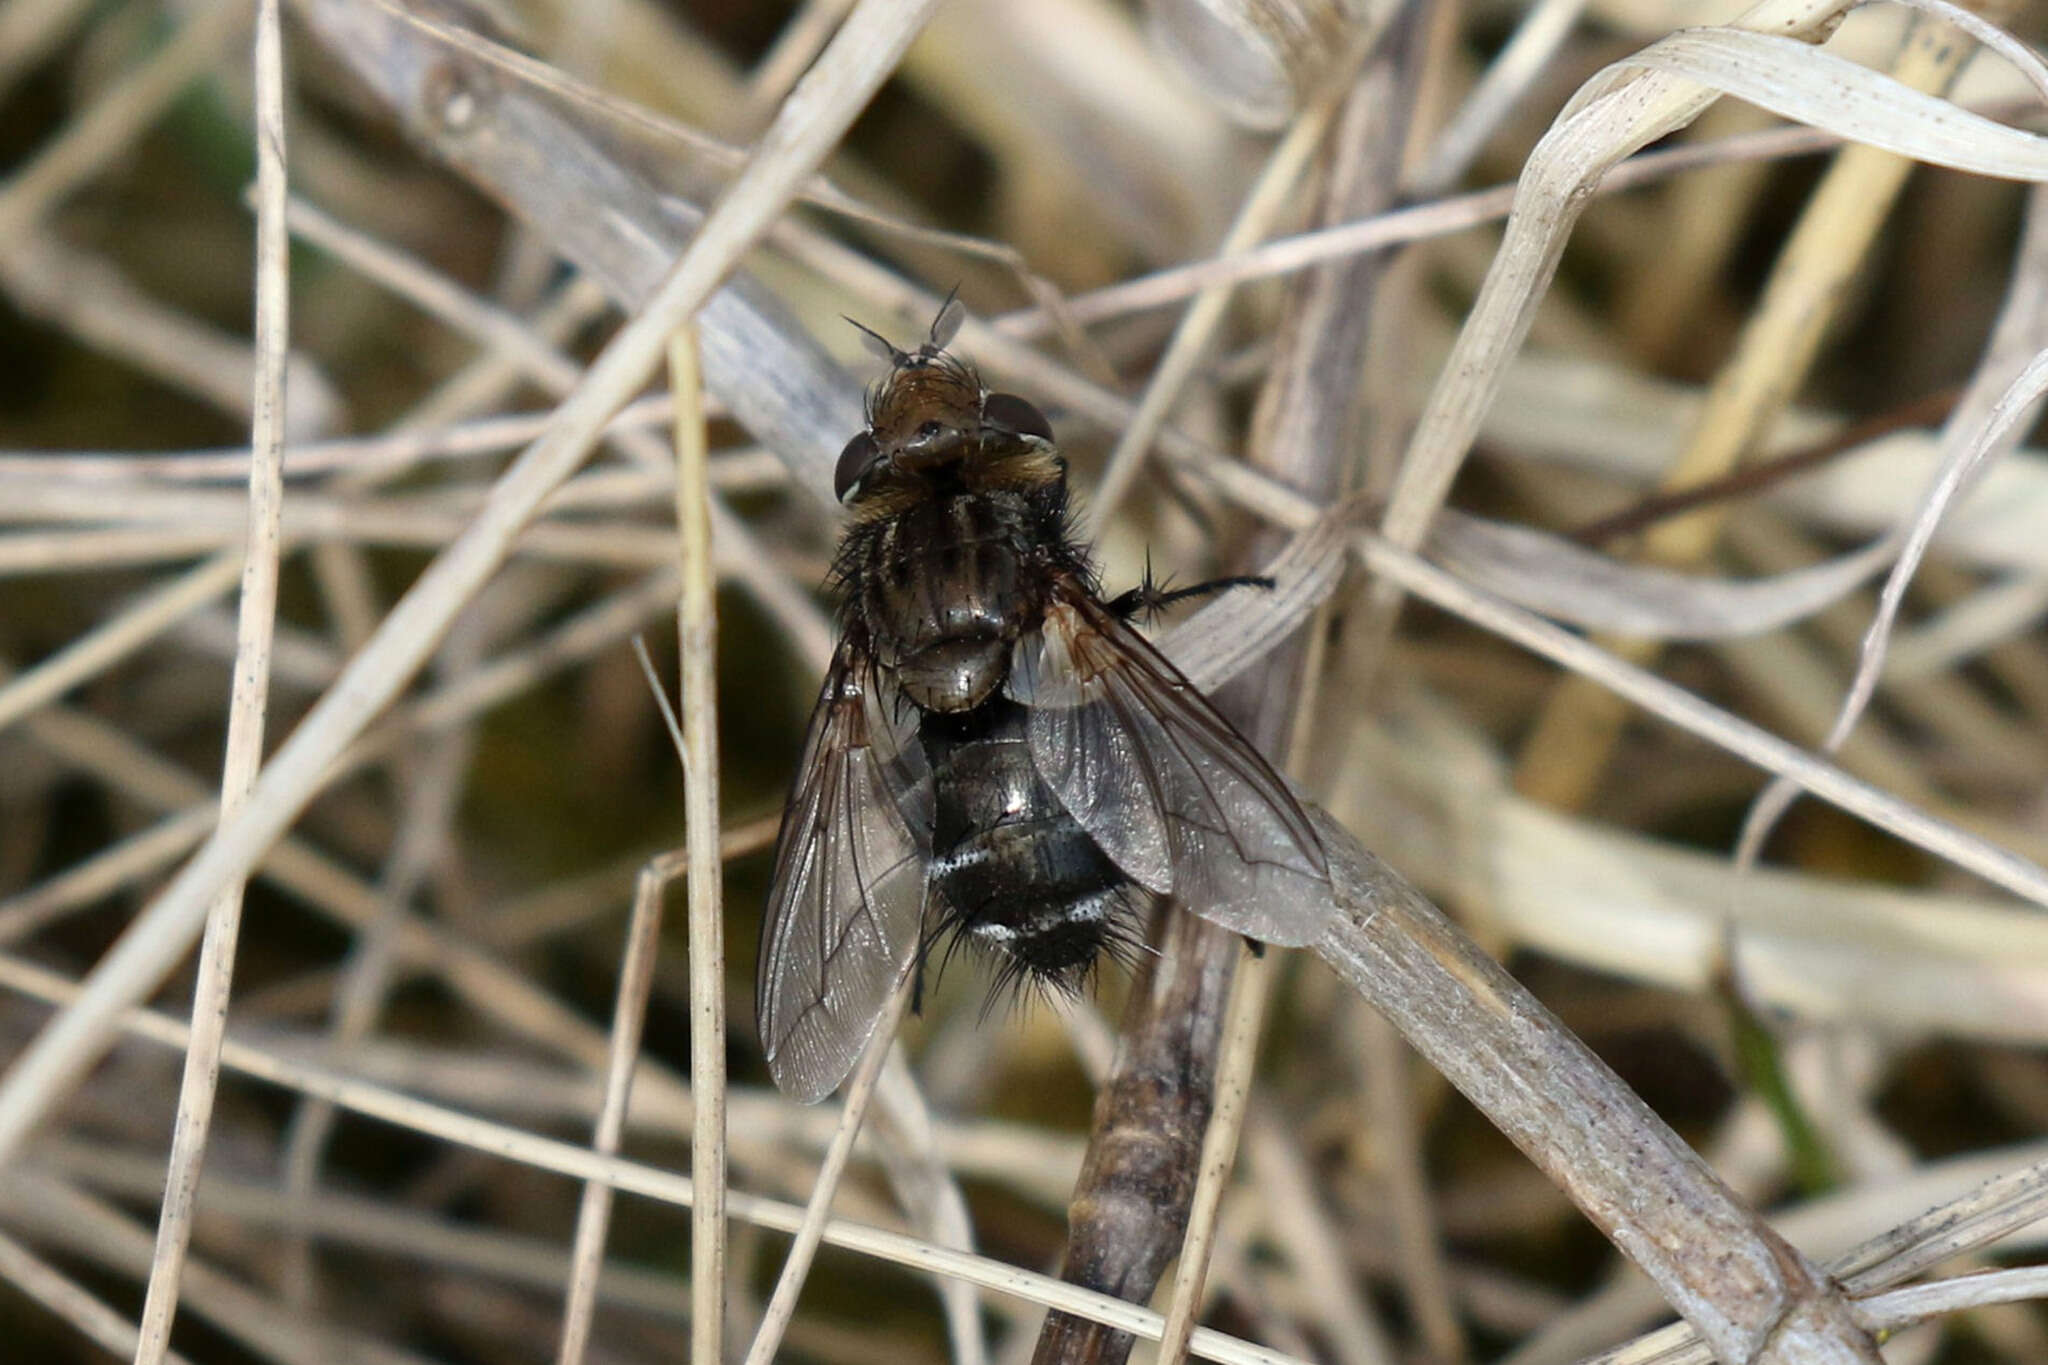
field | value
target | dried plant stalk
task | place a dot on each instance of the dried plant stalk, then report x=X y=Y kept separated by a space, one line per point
x=811 y=122
x=1068 y=131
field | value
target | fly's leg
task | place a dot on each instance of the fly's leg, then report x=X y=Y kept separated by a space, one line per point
x=1152 y=596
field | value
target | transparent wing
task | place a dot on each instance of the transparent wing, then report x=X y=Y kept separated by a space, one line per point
x=1171 y=791
x=844 y=908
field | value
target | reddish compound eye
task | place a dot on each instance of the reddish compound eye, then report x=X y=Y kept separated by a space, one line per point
x=859 y=456
x=1016 y=414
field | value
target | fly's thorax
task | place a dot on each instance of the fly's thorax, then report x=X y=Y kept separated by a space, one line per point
x=958 y=498
x=945 y=588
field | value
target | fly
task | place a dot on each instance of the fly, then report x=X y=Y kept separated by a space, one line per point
x=998 y=758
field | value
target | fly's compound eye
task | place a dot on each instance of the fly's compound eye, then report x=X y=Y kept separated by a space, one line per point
x=1009 y=411
x=860 y=455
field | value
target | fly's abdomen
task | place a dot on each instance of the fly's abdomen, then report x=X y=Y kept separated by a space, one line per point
x=1012 y=870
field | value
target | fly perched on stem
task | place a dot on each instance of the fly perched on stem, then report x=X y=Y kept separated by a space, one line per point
x=998 y=758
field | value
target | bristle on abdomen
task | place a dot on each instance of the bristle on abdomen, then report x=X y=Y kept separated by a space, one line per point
x=1014 y=875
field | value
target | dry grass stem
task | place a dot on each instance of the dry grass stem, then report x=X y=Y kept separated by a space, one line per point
x=593 y=1214
x=70 y=1300
x=857 y=1090
x=810 y=122
x=1195 y=332
x=697 y=634
x=1567 y=751
x=1249 y=986
x=1389 y=302
x=249 y=698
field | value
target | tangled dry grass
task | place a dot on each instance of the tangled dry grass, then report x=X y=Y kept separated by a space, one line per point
x=1633 y=415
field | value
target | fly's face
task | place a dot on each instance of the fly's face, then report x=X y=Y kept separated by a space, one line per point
x=931 y=424
x=929 y=413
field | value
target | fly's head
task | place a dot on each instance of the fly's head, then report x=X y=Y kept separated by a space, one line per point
x=933 y=428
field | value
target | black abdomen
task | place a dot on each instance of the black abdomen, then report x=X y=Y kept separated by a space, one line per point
x=1012 y=870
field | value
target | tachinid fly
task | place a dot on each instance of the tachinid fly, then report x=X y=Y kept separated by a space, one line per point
x=997 y=757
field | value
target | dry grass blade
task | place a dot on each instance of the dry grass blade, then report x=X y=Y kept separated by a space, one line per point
x=1747 y=1293
x=1615 y=115
x=1550 y=576
x=1674 y=704
x=1603 y=129
x=858 y=1089
x=651 y=1182
x=457 y=1033
x=1986 y=426
x=593 y=1214
x=1995 y=1209
x=1249 y=986
x=58 y=1292
x=1567 y=752
x=515 y=144
x=250 y=698
x=810 y=122
x=697 y=632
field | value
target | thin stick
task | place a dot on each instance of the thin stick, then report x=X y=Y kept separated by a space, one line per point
x=28 y=30
x=697 y=637
x=115 y=118
x=250 y=695
x=1283 y=170
x=387 y=454
x=119 y=864
x=1521 y=63
x=69 y=1300
x=629 y=1017
x=795 y=46
x=1248 y=990
x=112 y=641
x=810 y=124
x=818 y=1209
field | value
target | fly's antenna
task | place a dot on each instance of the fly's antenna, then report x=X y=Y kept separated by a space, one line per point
x=880 y=344
x=943 y=329
x=946 y=325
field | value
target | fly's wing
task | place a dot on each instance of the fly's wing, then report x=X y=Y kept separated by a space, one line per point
x=1173 y=794
x=844 y=909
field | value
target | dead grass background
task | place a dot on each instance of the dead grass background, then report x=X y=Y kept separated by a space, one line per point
x=434 y=992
